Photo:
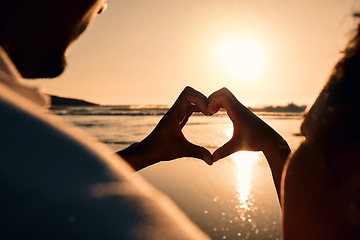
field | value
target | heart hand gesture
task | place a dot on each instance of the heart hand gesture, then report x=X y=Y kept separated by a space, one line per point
x=166 y=141
x=250 y=132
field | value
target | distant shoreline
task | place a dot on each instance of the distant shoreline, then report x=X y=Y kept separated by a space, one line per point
x=290 y=107
x=67 y=102
x=62 y=101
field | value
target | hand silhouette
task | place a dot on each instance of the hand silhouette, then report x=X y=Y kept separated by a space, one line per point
x=166 y=141
x=250 y=132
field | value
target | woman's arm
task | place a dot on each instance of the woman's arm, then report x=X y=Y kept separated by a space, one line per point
x=250 y=134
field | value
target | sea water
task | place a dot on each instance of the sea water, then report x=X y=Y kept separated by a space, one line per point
x=233 y=199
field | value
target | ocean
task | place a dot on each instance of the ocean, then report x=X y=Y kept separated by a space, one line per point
x=233 y=199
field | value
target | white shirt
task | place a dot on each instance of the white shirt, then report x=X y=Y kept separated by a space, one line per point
x=55 y=185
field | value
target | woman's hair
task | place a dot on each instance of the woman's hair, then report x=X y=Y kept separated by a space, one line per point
x=342 y=117
x=343 y=95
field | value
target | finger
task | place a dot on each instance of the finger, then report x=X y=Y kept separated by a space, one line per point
x=219 y=99
x=223 y=92
x=193 y=108
x=214 y=106
x=192 y=150
x=184 y=121
x=223 y=98
x=213 y=109
x=191 y=97
x=190 y=111
x=227 y=149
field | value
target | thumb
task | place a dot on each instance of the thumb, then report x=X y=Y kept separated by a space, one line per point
x=192 y=150
x=227 y=149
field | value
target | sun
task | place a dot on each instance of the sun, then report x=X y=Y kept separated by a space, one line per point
x=244 y=58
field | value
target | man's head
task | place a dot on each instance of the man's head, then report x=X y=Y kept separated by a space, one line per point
x=37 y=34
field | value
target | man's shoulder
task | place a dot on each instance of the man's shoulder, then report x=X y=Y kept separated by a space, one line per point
x=30 y=131
x=56 y=181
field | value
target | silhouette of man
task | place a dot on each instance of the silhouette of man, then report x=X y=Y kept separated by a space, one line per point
x=55 y=185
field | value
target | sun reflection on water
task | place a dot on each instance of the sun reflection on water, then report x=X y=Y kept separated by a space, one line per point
x=240 y=216
x=242 y=220
x=244 y=162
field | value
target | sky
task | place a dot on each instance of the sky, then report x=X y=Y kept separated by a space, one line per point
x=148 y=51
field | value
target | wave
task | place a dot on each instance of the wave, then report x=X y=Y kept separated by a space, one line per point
x=128 y=143
x=123 y=110
x=148 y=110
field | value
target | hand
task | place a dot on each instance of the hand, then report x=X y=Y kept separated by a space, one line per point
x=250 y=133
x=166 y=141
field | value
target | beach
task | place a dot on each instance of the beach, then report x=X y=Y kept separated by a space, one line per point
x=233 y=199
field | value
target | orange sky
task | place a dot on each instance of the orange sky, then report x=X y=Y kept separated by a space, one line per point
x=146 y=52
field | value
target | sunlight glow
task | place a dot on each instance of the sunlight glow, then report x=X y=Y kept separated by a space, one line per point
x=244 y=59
x=244 y=162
